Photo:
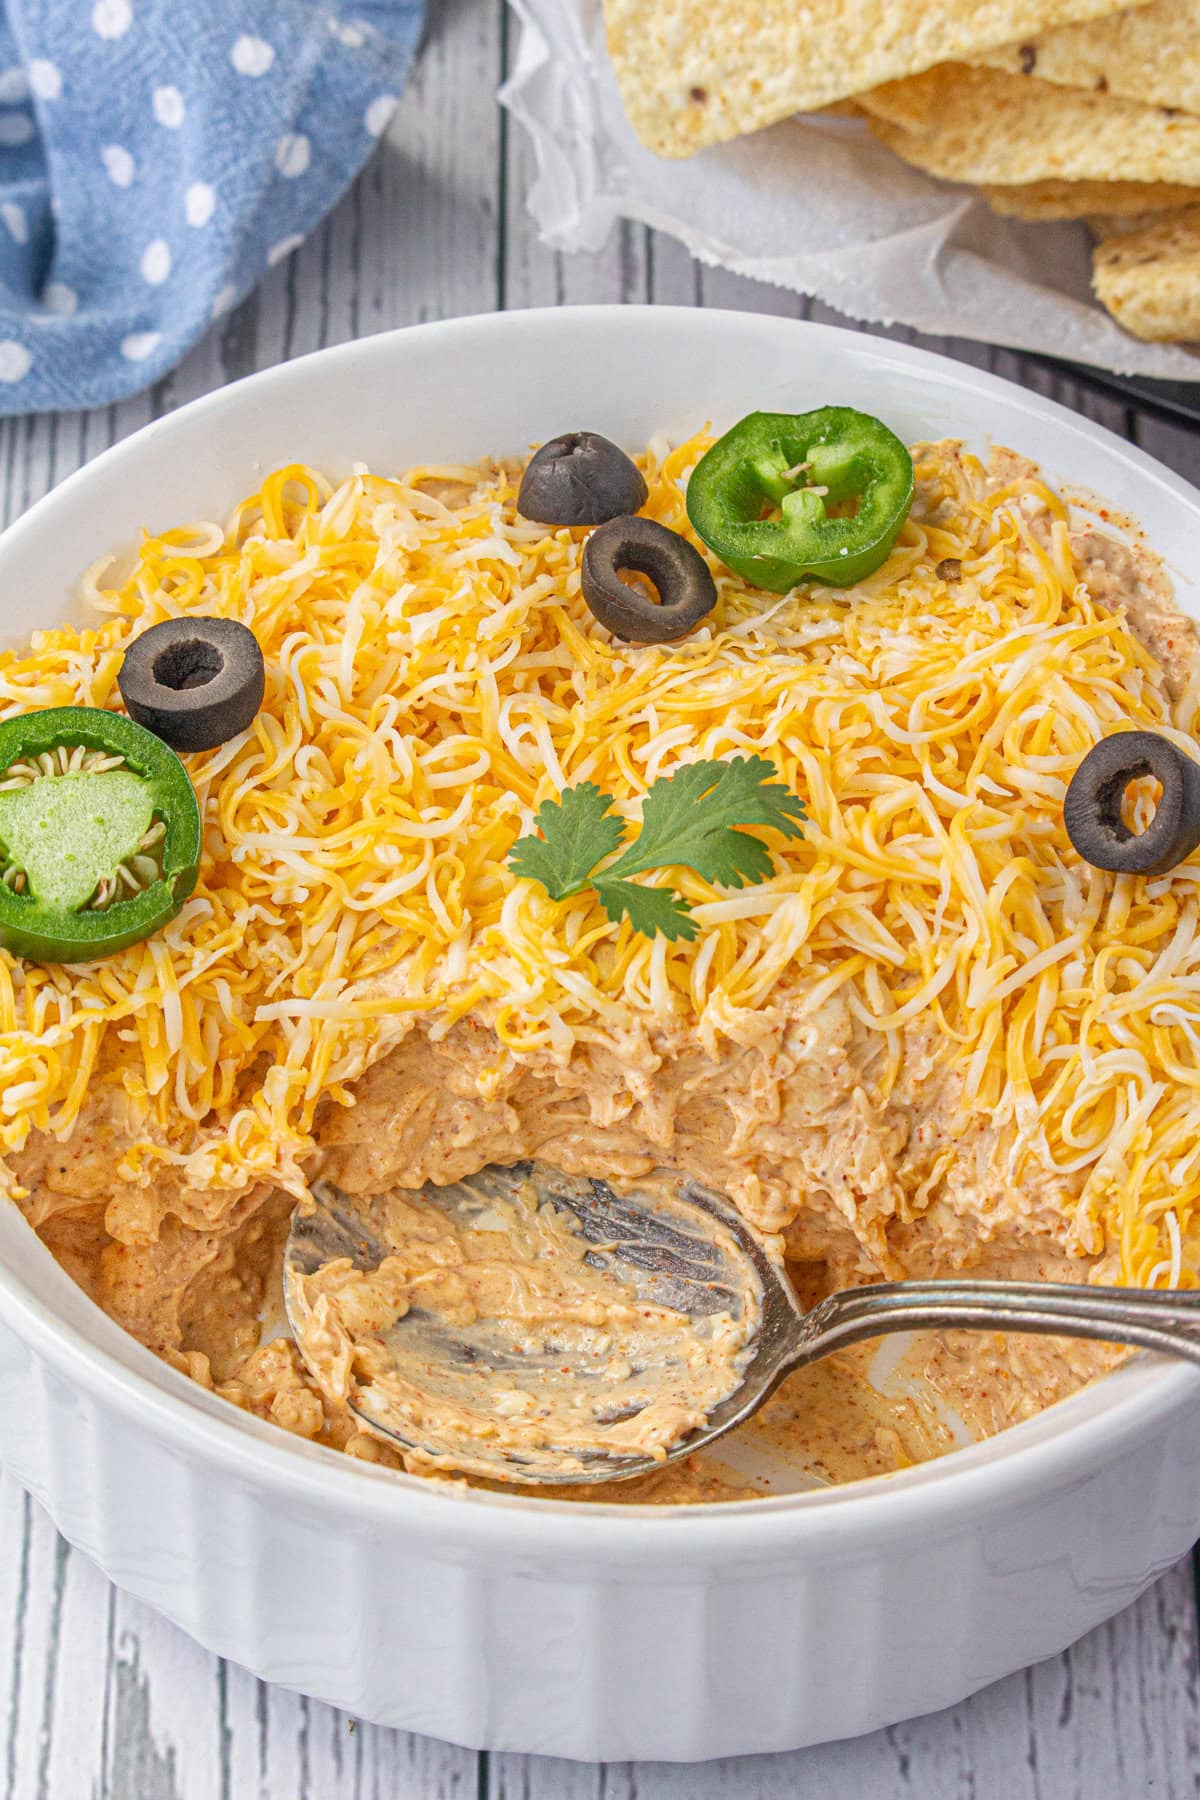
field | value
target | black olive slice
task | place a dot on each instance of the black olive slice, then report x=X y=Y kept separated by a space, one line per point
x=686 y=589
x=580 y=479
x=1092 y=808
x=195 y=682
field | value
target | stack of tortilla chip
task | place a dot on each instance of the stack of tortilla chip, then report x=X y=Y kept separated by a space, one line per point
x=1056 y=109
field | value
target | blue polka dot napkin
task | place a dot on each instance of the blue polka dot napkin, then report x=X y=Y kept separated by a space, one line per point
x=156 y=156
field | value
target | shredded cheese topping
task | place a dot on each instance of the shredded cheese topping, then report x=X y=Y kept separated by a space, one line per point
x=433 y=675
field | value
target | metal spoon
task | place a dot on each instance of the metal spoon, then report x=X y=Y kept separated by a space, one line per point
x=700 y=1257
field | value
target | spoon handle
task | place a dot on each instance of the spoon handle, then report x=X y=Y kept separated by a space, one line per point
x=1165 y=1319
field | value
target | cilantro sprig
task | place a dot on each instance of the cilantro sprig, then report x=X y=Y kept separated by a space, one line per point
x=690 y=820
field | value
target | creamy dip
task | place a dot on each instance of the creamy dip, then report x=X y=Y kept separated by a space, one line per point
x=753 y=1062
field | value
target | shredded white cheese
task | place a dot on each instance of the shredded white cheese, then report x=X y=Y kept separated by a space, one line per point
x=433 y=675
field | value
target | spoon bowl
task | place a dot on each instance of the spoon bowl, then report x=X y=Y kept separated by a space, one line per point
x=677 y=1247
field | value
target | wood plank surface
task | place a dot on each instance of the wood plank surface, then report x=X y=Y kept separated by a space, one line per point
x=102 y=1700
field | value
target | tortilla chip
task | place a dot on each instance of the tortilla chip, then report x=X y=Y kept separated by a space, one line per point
x=1150 y=280
x=968 y=124
x=1151 y=54
x=1083 y=199
x=696 y=72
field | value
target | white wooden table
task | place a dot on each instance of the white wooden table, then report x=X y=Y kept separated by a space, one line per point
x=101 y=1700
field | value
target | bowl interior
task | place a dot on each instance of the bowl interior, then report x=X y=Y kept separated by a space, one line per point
x=456 y=392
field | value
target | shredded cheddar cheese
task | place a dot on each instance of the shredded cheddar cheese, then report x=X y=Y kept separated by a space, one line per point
x=433 y=675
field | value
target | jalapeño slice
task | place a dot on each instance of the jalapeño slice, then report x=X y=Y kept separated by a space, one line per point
x=789 y=497
x=99 y=834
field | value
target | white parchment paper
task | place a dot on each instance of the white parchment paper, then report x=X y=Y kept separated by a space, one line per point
x=815 y=205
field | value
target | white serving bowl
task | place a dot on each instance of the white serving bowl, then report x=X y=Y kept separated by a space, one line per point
x=597 y=1631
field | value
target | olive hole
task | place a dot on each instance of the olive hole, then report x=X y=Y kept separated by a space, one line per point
x=640 y=584
x=188 y=665
x=1139 y=803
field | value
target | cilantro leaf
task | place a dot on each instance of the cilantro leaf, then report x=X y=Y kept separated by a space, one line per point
x=649 y=910
x=689 y=820
x=578 y=831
